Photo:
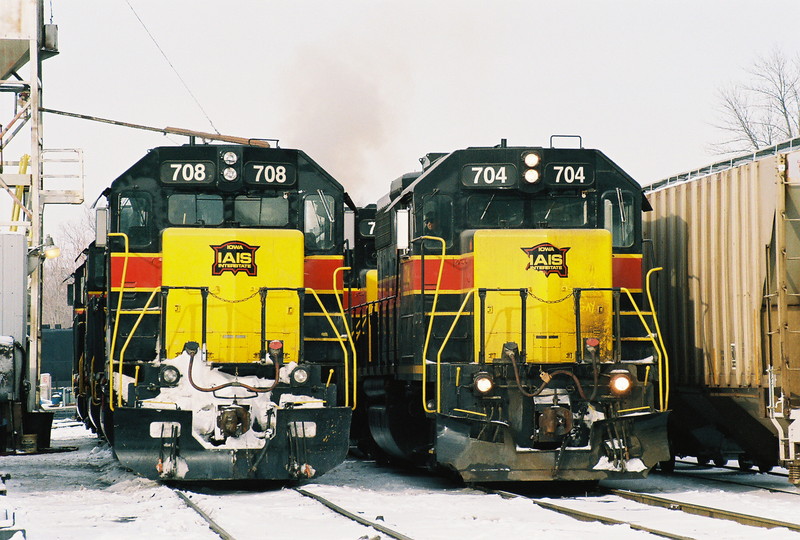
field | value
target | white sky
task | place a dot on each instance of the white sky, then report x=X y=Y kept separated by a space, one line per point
x=368 y=87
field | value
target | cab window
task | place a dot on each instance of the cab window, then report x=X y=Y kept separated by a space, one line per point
x=560 y=213
x=494 y=211
x=618 y=216
x=194 y=209
x=437 y=220
x=135 y=213
x=261 y=211
x=318 y=220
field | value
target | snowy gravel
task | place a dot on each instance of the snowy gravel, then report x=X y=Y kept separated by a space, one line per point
x=85 y=494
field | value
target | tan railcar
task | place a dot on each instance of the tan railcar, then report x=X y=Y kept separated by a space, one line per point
x=728 y=237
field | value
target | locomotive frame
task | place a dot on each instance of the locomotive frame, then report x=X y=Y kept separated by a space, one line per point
x=208 y=340
x=475 y=352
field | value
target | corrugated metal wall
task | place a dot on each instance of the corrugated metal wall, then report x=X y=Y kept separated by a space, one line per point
x=711 y=235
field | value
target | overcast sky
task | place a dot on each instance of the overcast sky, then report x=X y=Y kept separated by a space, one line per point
x=368 y=87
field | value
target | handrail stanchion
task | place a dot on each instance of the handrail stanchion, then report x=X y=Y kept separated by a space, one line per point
x=430 y=321
x=116 y=319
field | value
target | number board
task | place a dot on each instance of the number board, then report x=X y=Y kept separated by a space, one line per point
x=484 y=175
x=366 y=227
x=572 y=175
x=187 y=172
x=270 y=174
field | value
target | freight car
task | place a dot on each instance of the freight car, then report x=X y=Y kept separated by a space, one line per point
x=208 y=340
x=728 y=237
x=509 y=340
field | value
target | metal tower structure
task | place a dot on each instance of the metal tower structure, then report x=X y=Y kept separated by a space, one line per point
x=25 y=41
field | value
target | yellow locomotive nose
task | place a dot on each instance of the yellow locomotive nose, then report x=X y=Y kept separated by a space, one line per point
x=549 y=264
x=233 y=264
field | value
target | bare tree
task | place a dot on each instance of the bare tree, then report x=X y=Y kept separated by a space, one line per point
x=766 y=109
x=72 y=238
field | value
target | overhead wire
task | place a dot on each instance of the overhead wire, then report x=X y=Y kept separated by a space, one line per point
x=197 y=101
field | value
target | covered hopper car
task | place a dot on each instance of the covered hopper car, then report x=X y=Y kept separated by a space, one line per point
x=728 y=237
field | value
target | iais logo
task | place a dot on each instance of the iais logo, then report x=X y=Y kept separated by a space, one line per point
x=548 y=258
x=234 y=256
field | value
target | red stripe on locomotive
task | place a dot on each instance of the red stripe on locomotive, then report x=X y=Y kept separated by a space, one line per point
x=627 y=272
x=319 y=273
x=457 y=274
x=142 y=272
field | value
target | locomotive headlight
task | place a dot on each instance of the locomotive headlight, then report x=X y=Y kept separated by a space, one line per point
x=531 y=175
x=229 y=174
x=531 y=160
x=483 y=383
x=621 y=382
x=230 y=158
x=169 y=376
x=300 y=375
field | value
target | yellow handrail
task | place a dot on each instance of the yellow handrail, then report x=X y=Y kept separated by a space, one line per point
x=347 y=330
x=116 y=321
x=430 y=322
x=660 y=339
x=441 y=350
x=656 y=346
x=341 y=344
x=19 y=192
x=127 y=341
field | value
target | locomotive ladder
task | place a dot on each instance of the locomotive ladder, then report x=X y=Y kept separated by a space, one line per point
x=780 y=327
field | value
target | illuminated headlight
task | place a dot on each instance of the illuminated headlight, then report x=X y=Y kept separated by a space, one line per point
x=483 y=383
x=230 y=158
x=531 y=160
x=229 y=174
x=169 y=376
x=621 y=382
x=300 y=375
x=531 y=175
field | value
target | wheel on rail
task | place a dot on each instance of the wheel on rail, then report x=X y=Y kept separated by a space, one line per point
x=667 y=466
x=720 y=461
x=745 y=463
x=764 y=467
x=703 y=460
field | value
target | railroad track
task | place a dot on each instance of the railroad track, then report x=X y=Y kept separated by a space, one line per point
x=213 y=525
x=567 y=507
x=730 y=481
x=224 y=534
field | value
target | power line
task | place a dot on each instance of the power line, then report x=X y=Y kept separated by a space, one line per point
x=173 y=67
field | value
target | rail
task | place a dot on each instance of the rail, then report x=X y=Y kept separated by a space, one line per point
x=341 y=344
x=164 y=290
x=336 y=293
x=661 y=354
x=467 y=297
x=785 y=146
x=433 y=310
x=125 y=347
x=116 y=318
x=363 y=314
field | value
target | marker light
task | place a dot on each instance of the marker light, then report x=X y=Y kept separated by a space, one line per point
x=531 y=175
x=621 y=382
x=229 y=174
x=230 y=158
x=531 y=160
x=169 y=375
x=300 y=375
x=483 y=383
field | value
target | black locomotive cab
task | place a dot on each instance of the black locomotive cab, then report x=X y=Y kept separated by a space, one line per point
x=515 y=341
x=211 y=344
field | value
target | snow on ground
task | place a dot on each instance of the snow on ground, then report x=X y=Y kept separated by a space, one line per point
x=85 y=494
